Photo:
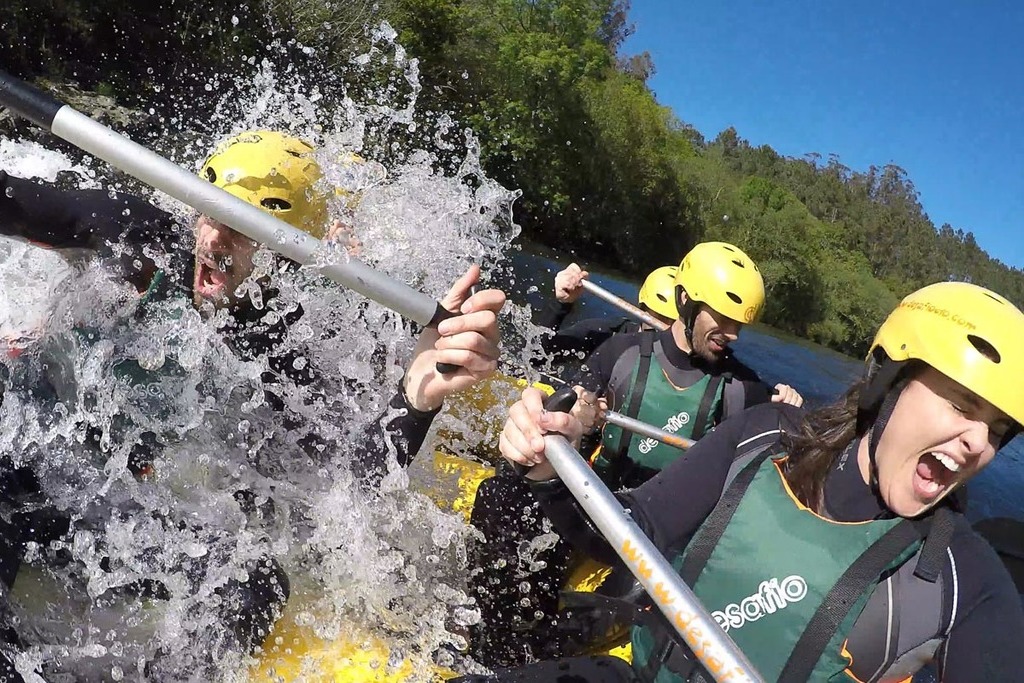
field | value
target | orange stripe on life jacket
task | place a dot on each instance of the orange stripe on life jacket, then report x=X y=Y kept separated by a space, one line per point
x=846 y=653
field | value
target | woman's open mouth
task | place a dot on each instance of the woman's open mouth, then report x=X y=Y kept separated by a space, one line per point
x=935 y=473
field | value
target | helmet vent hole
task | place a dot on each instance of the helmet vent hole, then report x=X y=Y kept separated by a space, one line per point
x=994 y=298
x=726 y=246
x=738 y=263
x=661 y=297
x=211 y=175
x=984 y=348
x=275 y=204
x=734 y=297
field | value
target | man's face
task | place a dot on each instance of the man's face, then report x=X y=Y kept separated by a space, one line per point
x=223 y=261
x=712 y=333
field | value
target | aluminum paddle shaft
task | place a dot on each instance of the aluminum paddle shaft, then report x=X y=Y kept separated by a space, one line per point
x=698 y=629
x=647 y=430
x=102 y=142
x=642 y=316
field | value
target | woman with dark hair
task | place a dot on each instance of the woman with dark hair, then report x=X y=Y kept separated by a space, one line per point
x=828 y=545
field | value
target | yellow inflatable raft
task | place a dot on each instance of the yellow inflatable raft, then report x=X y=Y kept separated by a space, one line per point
x=293 y=653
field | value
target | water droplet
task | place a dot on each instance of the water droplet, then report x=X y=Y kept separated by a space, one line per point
x=194 y=549
x=234 y=20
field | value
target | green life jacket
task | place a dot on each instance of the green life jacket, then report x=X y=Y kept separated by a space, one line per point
x=688 y=411
x=151 y=379
x=786 y=584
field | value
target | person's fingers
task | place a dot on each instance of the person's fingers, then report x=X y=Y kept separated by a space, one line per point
x=475 y=364
x=459 y=291
x=483 y=322
x=485 y=300
x=522 y=427
x=560 y=423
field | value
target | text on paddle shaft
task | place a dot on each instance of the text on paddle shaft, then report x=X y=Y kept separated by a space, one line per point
x=687 y=622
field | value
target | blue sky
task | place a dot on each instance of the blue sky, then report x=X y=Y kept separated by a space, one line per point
x=936 y=87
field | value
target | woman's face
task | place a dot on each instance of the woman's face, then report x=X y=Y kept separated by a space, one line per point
x=939 y=436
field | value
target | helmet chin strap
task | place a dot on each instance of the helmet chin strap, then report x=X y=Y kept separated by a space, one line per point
x=875 y=436
x=687 y=313
x=874 y=409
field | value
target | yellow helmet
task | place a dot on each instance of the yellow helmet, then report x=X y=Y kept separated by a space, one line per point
x=658 y=292
x=274 y=171
x=966 y=332
x=723 y=277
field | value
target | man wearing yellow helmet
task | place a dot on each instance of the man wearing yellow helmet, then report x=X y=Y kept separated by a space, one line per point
x=685 y=379
x=278 y=173
x=571 y=343
x=826 y=544
x=141 y=244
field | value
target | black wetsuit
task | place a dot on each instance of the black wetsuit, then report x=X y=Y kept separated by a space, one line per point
x=126 y=231
x=987 y=623
x=137 y=241
x=570 y=345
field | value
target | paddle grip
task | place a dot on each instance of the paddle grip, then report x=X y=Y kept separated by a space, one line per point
x=446 y=368
x=561 y=401
x=28 y=102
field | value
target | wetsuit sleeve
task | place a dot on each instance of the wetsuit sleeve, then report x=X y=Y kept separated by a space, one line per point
x=553 y=314
x=581 y=338
x=596 y=372
x=93 y=220
x=400 y=430
x=988 y=633
x=755 y=391
x=82 y=219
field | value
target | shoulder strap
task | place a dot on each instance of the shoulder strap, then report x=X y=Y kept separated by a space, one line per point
x=933 y=553
x=636 y=392
x=907 y=617
x=751 y=448
x=700 y=420
x=704 y=542
x=842 y=598
x=734 y=397
x=626 y=325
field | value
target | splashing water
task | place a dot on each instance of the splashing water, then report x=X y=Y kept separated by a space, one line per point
x=137 y=591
